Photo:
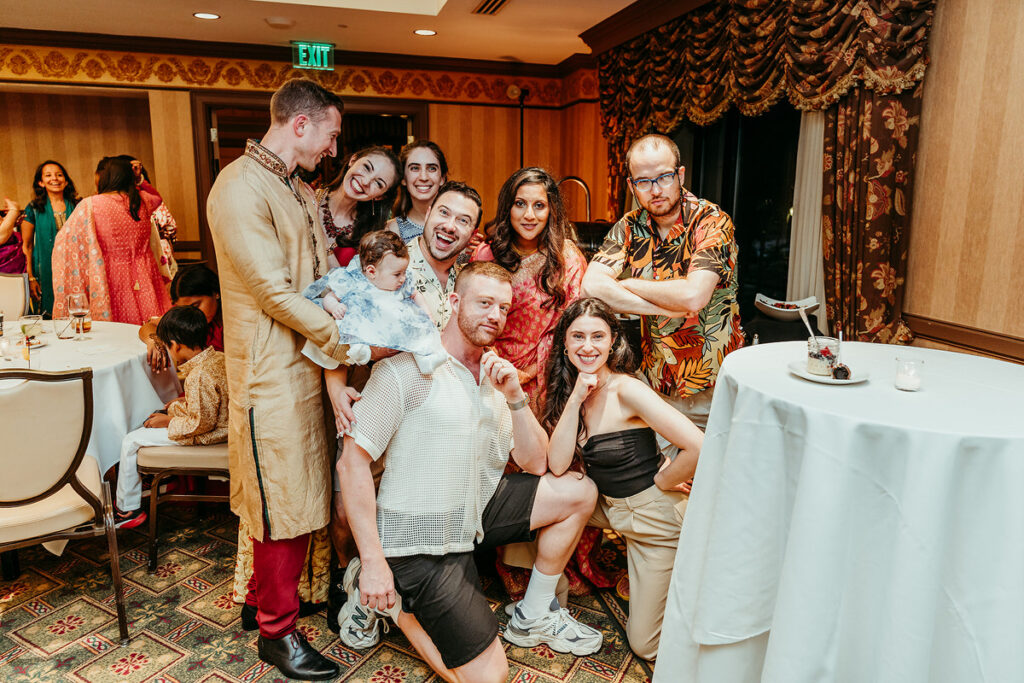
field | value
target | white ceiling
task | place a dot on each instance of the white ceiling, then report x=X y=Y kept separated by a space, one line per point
x=533 y=31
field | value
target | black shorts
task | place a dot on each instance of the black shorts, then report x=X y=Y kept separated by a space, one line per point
x=443 y=592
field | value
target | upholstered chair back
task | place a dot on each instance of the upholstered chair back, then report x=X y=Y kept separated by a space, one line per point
x=45 y=422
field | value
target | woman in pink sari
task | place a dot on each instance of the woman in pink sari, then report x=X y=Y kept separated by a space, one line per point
x=108 y=251
x=531 y=237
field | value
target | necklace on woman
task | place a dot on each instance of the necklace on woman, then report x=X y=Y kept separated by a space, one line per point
x=333 y=230
x=524 y=252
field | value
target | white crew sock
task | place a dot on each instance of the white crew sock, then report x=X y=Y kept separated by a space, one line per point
x=539 y=594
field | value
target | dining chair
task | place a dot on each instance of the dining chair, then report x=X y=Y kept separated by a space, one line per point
x=14 y=296
x=50 y=489
x=166 y=461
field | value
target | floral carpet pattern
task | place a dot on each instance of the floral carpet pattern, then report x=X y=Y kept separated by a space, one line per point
x=58 y=621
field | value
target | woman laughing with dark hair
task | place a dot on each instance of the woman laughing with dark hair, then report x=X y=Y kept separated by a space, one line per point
x=54 y=198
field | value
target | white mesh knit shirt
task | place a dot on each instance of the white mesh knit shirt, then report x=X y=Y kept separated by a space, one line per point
x=447 y=440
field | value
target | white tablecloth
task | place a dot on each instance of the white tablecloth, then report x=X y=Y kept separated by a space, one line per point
x=125 y=392
x=854 y=533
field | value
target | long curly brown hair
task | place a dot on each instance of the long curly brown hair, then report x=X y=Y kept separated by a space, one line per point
x=562 y=374
x=552 y=238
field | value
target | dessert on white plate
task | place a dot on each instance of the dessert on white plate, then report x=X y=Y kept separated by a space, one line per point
x=821 y=355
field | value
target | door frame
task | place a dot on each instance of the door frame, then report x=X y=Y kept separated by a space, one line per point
x=204 y=102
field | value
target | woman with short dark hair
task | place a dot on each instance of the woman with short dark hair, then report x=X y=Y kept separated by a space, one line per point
x=105 y=251
x=197 y=286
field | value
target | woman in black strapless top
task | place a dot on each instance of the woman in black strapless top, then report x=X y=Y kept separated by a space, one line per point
x=601 y=416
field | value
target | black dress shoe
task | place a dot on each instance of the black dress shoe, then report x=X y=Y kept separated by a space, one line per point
x=296 y=658
x=249 y=622
x=336 y=597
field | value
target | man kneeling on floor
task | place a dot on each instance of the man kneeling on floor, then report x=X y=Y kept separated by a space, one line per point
x=447 y=438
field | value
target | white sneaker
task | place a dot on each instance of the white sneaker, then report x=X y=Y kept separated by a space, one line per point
x=360 y=625
x=557 y=629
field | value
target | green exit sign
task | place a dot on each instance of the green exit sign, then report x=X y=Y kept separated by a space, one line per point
x=313 y=56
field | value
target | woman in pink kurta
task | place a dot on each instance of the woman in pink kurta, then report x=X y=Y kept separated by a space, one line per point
x=106 y=251
x=531 y=237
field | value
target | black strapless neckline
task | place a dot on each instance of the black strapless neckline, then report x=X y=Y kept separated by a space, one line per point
x=609 y=435
x=624 y=462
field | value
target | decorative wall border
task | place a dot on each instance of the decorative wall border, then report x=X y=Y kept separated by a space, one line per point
x=147 y=70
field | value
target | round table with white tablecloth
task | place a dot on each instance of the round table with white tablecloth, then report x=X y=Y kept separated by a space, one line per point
x=125 y=391
x=853 y=533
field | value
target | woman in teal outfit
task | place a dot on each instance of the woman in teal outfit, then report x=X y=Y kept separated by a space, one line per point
x=53 y=201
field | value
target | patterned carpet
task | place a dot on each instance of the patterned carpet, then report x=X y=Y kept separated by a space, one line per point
x=57 y=620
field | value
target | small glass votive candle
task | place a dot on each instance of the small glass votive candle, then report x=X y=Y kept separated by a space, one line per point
x=909 y=373
x=5 y=349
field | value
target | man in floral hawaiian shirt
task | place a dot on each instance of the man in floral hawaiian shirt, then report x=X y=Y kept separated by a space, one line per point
x=673 y=262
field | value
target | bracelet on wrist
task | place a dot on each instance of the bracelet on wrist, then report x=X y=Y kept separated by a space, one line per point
x=520 y=404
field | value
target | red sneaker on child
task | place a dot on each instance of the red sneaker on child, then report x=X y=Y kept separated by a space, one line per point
x=129 y=519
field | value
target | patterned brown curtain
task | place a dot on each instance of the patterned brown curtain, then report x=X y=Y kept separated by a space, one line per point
x=750 y=54
x=870 y=149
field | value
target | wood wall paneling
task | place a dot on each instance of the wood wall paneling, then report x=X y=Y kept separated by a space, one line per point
x=585 y=154
x=76 y=130
x=967 y=234
x=469 y=116
x=174 y=157
x=482 y=147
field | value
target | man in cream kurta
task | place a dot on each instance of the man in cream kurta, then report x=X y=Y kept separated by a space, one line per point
x=269 y=247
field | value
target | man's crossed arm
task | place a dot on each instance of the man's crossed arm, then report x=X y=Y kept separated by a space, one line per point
x=672 y=298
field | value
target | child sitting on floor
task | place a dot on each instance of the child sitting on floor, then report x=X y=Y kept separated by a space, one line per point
x=376 y=304
x=200 y=417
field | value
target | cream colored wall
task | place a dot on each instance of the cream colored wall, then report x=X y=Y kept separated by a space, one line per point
x=174 y=159
x=966 y=261
x=75 y=129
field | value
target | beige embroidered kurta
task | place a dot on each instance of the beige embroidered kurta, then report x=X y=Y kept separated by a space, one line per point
x=269 y=248
x=201 y=417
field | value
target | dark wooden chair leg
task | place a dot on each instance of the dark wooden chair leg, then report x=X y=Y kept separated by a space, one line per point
x=115 y=563
x=9 y=565
x=154 y=499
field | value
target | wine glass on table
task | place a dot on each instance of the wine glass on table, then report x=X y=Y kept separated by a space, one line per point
x=78 y=307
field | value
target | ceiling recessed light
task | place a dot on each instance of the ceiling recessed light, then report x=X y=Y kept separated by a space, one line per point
x=425 y=32
x=205 y=15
